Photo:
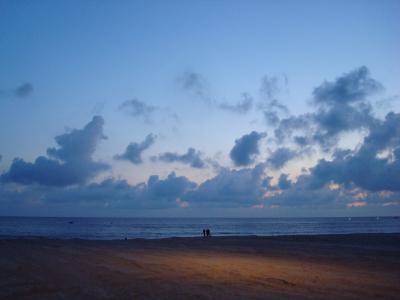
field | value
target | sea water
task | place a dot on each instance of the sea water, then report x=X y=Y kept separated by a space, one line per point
x=120 y=228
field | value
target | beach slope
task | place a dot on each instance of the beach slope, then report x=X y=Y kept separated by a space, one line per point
x=285 y=267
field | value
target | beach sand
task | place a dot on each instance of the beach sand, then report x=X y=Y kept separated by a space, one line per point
x=291 y=267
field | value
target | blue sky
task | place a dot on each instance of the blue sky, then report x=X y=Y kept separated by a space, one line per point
x=199 y=79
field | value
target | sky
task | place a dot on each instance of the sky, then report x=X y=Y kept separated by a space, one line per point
x=199 y=108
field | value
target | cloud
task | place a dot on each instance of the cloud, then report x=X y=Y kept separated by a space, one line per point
x=274 y=104
x=196 y=84
x=340 y=118
x=341 y=106
x=350 y=179
x=301 y=141
x=289 y=125
x=191 y=157
x=356 y=204
x=280 y=157
x=246 y=149
x=284 y=183
x=270 y=87
x=171 y=188
x=137 y=108
x=230 y=188
x=70 y=163
x=363 y=167
x=181 y=203
x=272 y=107
x=243 y=188
x=21 y=91
x=350 y=87
x=299 y=195
x=242 y=107
x=155 y=193
x=271 y=118
x=325 y=126
x=133 y=151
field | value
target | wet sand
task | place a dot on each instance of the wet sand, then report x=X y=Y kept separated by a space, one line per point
x=291 y=267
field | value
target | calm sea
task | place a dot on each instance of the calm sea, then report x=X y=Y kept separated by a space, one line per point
x=119 y=228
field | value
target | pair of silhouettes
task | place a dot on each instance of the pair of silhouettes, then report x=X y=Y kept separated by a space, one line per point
x=206 y=232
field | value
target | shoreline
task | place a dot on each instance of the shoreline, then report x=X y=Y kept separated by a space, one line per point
x=199 y=217
x=333 y=235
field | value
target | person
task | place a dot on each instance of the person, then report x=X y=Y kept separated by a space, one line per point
x=208 y=233
x=204 y=233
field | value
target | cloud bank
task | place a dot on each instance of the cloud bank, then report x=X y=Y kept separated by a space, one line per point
x=367 y=175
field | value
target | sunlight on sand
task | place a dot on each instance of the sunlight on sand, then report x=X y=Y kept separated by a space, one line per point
x=216 y=268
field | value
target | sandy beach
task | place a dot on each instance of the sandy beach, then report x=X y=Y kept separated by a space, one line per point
x=285 y=267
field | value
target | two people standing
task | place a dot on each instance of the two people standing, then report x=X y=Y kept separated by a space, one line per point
x=206 y=232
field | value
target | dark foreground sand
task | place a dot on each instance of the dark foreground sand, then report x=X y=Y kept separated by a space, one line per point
x=302 y=267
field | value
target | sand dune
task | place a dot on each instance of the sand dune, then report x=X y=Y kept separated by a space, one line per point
x=293 y=267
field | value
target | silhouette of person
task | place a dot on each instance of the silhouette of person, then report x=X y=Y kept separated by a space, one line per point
x=208 y=233
x=204 y=233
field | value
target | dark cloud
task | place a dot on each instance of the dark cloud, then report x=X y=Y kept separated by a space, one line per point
x=133 y=151
x=23 y=90
x=290 y=125
x=79 y=144
x=70 y=163
x=244 y=188
x=171 y=188
x=246 y=149
x=138 y=108
x=340 y=118
x=271 y=118
x=242 y=107
x=341 y=106
x=301 y=141
x=230 y=188
x=299 y=195
x=354 y=86
x=371 y=172
x=363 y=167
x=51 y=172
x=280 y=157
x=396 y=153
x=112 y=193
x=191 y=157
x=284 y=183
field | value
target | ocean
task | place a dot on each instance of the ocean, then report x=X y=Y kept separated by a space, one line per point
x=120 y=228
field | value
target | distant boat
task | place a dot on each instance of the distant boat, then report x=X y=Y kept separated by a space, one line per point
x=71 y=222
x=349 y=219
